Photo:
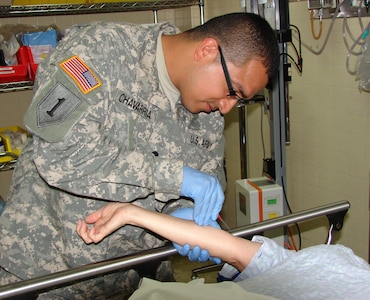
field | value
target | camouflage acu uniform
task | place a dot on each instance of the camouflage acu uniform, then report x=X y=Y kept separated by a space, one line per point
x=103 y=131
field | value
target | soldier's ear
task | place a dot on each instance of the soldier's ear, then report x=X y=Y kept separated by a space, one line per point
x=206 y=50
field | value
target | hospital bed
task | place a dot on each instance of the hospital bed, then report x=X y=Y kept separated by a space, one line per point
x=335 y=213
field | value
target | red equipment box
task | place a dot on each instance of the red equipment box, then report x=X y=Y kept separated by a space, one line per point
x=18 y=72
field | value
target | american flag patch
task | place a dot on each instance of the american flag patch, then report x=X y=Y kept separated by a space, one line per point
x=81 y=74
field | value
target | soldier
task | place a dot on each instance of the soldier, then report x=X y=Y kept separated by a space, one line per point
x=127 y=113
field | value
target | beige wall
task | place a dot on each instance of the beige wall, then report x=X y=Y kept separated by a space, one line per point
x=328 y=159
x=329 y=156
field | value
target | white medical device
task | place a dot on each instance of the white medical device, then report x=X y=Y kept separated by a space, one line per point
x=259 y=199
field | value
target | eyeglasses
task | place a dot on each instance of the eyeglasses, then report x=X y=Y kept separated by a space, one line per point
x=232 y=93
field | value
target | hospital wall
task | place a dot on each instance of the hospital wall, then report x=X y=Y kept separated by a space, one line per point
x=329 y=155
x=328 y=158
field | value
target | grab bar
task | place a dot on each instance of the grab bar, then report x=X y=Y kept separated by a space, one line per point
x=92 y=270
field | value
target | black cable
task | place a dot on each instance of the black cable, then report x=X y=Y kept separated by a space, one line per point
x=295 y=49
x=298 y=64
x=290 y=211
x=282 y=179
x=262 y=139
x=299 y=38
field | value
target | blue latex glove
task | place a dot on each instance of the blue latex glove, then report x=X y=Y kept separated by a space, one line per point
x=206 y=192
x=195 y=254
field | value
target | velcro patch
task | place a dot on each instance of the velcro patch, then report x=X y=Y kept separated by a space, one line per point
x=53 y=114
x=56 y=106
x=81 y=74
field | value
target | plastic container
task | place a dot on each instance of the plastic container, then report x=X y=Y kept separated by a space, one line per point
x=11 y=151
x=2 y=147
x=2 y=205
x=16 y=73
x=32 y=65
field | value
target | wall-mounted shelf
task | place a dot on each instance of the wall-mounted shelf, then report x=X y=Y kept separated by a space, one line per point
x=16 y=86
x=90 y=8
x=10 y=165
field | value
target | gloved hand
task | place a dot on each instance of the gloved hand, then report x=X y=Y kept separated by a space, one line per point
x=206 y=192
x=195 y=254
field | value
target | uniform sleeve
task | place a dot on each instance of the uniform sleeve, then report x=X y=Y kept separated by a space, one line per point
x=110 y=173
x=87 y=149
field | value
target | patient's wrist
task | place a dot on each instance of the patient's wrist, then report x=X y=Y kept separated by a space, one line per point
x=132 y=214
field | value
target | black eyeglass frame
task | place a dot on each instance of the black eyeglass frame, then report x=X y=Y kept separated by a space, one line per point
x=232 y=93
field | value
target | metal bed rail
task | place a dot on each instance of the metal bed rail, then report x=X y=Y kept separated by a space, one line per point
x=335 y=213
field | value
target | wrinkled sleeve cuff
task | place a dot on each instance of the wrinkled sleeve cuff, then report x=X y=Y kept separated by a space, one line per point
x=167 y=180
x=269 y=255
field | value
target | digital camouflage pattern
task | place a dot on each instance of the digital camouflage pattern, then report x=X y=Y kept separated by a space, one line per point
x=103 y=133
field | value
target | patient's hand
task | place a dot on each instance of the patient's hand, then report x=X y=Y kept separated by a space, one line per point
x=104 y=221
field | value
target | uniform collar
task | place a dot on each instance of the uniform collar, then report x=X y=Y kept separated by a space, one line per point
x=172 y=93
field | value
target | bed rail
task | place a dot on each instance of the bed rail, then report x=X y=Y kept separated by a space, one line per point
x=335 y=213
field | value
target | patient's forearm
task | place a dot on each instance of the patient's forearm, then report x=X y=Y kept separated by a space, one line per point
x=236 y=251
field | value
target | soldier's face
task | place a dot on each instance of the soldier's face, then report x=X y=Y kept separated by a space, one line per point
x=208 y=90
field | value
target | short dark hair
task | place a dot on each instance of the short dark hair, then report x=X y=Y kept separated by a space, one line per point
x=242 y=37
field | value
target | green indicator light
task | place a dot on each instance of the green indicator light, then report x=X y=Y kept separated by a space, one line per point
x=271 y=201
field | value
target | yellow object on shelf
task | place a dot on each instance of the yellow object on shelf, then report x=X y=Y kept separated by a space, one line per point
x=12 y=151
x=47 y=2
x=33 y=2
